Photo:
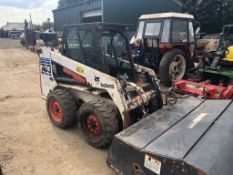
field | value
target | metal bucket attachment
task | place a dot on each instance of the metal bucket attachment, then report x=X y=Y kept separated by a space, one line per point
x=193 y=137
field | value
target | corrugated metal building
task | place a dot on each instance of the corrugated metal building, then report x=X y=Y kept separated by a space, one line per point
x=114 y=11
x=10 y=26
x=13 y=27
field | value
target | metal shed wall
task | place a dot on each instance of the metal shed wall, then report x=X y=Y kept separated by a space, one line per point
x=128 y=11
x=114 y=11
x=73 y=14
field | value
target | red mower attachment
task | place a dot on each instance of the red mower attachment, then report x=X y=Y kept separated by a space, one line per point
x=204 y=89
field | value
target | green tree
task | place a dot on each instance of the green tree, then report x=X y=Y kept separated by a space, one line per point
x=37 y=27
x=46 y=25
x=212 y=14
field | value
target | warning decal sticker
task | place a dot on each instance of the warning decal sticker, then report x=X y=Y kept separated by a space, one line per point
x=152 y=164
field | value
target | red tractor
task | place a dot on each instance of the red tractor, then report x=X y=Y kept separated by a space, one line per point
x=169 y=44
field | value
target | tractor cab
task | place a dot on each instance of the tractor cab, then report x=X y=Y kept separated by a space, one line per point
x=169 y=42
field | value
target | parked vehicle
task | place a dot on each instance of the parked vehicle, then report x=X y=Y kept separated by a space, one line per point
x=94 y=76
x=49 y=38
x=215 y=70
x=169 y=42
x=14 y=34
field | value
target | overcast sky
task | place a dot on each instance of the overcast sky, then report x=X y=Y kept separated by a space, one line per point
x=18 y=10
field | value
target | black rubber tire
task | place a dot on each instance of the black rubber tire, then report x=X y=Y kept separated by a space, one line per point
x=107 y=115
x=68 y=106
x=165 y=63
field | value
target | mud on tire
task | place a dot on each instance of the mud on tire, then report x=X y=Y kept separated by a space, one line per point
x=62 y=108
x=99 y=123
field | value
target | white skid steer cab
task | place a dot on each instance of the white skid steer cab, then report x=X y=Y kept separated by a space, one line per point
x=92 y=80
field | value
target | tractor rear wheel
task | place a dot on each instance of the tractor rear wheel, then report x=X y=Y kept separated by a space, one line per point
x=99 y=123
x=62 y=108
x=172 y=67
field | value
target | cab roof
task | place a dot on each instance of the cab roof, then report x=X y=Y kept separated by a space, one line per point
x=166 y=15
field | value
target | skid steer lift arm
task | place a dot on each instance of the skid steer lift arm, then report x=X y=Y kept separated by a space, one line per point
x=193 y=137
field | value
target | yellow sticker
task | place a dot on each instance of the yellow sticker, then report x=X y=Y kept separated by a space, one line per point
x=80 y=69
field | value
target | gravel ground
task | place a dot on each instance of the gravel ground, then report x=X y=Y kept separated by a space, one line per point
x=29 y=143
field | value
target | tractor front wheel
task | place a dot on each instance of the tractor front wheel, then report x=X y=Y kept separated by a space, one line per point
x=172 y=67
x=99 y=123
